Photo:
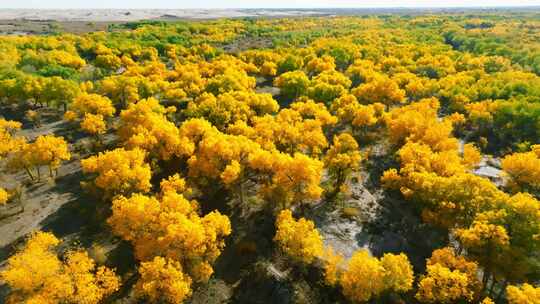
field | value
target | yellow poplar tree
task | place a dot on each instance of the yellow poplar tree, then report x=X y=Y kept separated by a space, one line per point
x=7 y=142
x=119 y=171
x=292 y=84
x=522 y=169
x=299 y=239
x=380 y=89
x=37 y=275
x=442 y=285
x=341 y=160
x=524 y=294
x=46 y=150
x=144 y=125
x=363 y=277
x=93 y=124
x=398 y=272
x=86 y=103
x=449 y=278
x=162 y=280
x=170 y=226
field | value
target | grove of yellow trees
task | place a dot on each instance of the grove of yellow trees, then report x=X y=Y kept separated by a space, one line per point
x=37 y=275
x=214 y=132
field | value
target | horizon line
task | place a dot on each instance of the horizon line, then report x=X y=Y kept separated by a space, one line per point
x=276 y=8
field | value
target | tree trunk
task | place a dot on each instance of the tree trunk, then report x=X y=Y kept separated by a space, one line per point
x=241 y=192
x=29 y=173
x=337 y=185
x=501 y=291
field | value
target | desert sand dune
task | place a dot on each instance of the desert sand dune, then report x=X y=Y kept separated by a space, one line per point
x=139 y=14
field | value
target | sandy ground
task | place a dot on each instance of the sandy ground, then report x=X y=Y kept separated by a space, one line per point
x=103 y=15
x=126 y=15
x=58 y=205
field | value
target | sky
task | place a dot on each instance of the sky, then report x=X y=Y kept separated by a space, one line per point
x=191 y=4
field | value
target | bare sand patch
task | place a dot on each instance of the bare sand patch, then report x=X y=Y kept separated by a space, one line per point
x=107 y=15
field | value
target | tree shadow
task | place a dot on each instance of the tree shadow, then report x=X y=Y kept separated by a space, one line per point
x=375 y=167
x=250 y=240
x=397 y=227
x=69 y=130
x=18 y=113
x=283 y=101
x=77 y=216
x=259 y=288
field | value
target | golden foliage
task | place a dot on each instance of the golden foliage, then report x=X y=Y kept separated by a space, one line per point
x=93 y=124
x=334 y=263
x=442 y=285
x=49 y=150
x=449 y=278
x=299 y=239
x=318 y=65
x=7 y=142
x=92 y=104
x=343 y=154
x=524 y=294
x=4 y=196
x=170 y=226
x=380 y=89
x=378 y=78
x=483 y=234
x=174 y=183
x=46 y=150
x=350 y=111
x=296 y=129
x=119 y=171
x=228 y=108
x=328 y=85
x=70 y=116
x=162 y=280
x=229 y=80
x=471 y=155
x=144 y=125
x=285 y=179
x=418 y=122
x=293 y=179
x=36 y=275
x=363 y=277
x=522 y=168
x=398 y=272
x=342 y=159
x=292 y=84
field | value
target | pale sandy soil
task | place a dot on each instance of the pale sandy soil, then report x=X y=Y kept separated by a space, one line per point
x=126 y=15
x=58 y=205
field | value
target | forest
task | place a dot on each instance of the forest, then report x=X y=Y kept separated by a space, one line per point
x=390 y=158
